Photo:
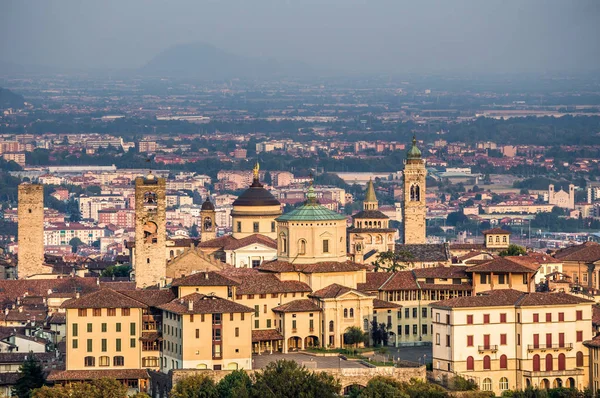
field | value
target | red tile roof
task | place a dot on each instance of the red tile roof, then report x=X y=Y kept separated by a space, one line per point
x=454 y=271
x=401 y=280
x=595 y=342
x=119 y=374
x=228 y=242
x=373 y=281
x=210 y=278
x=203 y=304
x=510 y=297
x=105 y=298
x=322 y=267
x=587 y=252
x=500 y=264
x=496 y=231
x=298 y=306
x=150 y=297
x=266 y=335
x=381 y=304
x=334 y=290
x=263 y=283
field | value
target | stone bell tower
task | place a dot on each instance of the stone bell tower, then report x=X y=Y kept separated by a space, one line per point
x=414 y=209
x=31 y=230
x=150 y=231
x=209 y=225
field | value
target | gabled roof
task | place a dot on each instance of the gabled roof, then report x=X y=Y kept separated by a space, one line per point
x=401 y=280
x=210 y=278
x=298 y=306
x=266 y=335
x=335 y=290
x=373 y=281
x=105 y=298
x=150 y=297
x=228 y=242
x=587 y=252
x=500 y=264
x=203 y=304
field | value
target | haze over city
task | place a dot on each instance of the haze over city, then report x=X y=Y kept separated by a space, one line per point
x=466 y=36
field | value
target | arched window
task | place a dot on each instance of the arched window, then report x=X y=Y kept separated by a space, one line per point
x=104 y=361
x=412 y=193
x=490 y=239
x=503 y=384
x=119 y=361
x=470 y=363
x=487 y=363
x=486 y=385
x=417 y=193
x=171 y=254
x=504 y=239
x=503 y=362
x=497 y=239
x=549 y=362
x=301 y=246
x=536 y=363
x=351 y=312
x=561 y=361
x=283 y=242
x=579 y=361
x=331 y=326
x=345 y=312
x=89 y=361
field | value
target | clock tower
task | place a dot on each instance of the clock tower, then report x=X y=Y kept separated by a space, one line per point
x=207 y=217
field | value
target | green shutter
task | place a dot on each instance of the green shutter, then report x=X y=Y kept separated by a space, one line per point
x=118 y=344
x=104 y=344
x=119 y=327
x=132 y=328
x=89 y=345
x=75 y=330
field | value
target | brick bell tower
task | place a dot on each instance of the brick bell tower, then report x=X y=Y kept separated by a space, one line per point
x=150 y=262
x=414 y=209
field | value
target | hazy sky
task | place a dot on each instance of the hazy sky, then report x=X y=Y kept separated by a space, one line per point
x=346 y=35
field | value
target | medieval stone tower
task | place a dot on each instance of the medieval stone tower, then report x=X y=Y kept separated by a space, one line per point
x=150 y=231
x=31 y=230
x=414 y=209
x=209 y=226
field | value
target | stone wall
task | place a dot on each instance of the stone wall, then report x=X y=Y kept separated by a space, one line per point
x=31 y=230
x=346 y=376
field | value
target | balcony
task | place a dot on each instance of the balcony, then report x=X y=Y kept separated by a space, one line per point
x=491 y=348
x=554 y=373
x=544 y=347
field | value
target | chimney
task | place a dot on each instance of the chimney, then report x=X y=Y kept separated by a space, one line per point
x=98 y=281
x=206 y=275
x=77 y=295
x=190 y=305
x=20 y=309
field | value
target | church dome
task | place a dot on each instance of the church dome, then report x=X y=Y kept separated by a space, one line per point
x=256 y=195
x=414 y=152
x=207 y=205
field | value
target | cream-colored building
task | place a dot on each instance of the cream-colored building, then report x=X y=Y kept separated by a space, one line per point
x=507 y=339
x=206 y=332
x=370 y=232
x=255 y=211
x=562 y=198
x=414 y=209
x=496 y=238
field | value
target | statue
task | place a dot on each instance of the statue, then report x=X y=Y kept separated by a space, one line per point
x=255 y=170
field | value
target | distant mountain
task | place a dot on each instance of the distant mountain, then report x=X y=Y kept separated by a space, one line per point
x=8 y=99
x=203 y=61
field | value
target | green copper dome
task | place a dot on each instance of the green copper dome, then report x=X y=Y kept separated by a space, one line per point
x=414 y=152
x=311 y=210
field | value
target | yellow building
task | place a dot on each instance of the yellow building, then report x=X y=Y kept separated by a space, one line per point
x=496 y=238
x=254 y=211
x=206 y=332
x=104 y=329
x=370 y=232
x=594 y=347
x=508 y=339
